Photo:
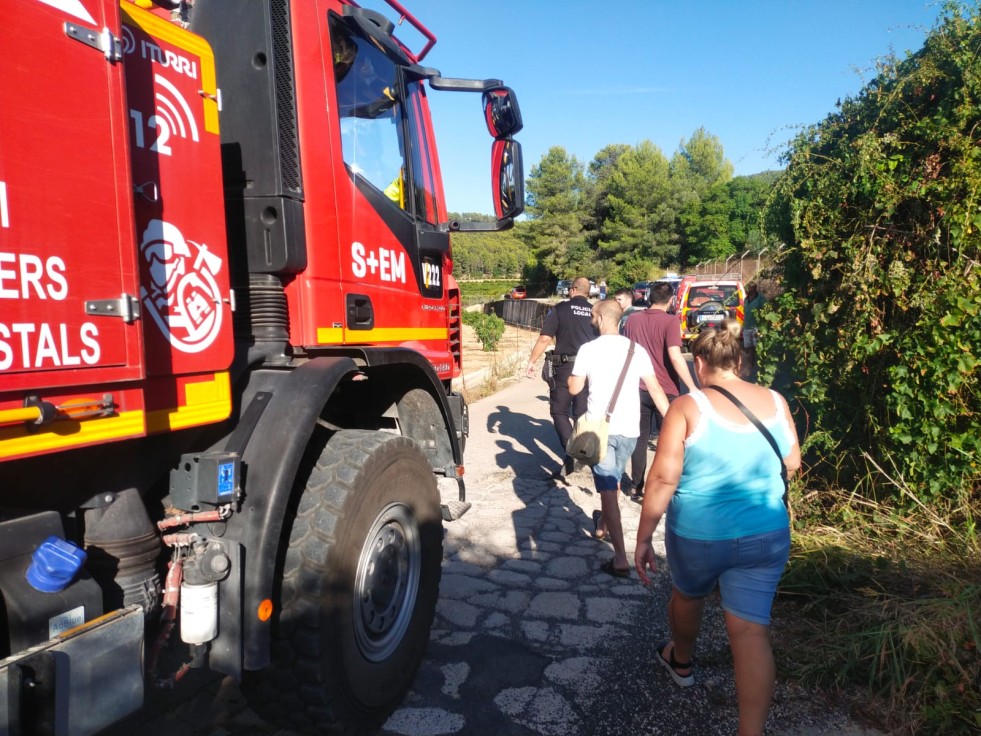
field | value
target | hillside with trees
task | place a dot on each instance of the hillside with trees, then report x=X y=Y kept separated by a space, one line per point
x=629 y=215
x=633 y=213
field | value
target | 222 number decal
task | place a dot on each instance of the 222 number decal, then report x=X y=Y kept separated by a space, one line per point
x=431 y=275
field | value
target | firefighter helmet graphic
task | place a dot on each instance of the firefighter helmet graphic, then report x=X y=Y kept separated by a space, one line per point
x=182 y=295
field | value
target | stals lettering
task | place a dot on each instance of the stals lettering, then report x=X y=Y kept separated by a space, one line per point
x=36 y=346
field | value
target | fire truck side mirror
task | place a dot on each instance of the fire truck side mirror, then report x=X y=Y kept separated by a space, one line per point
x=508 y=178
x=501 y=112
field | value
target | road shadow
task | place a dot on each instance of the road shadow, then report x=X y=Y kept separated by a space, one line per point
x=528 y=445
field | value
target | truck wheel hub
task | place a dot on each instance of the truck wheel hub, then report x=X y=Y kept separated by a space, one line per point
x=387 y=582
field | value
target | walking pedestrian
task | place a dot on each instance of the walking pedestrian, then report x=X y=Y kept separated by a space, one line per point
x=600 y=363
x=570 y=324
x=720 y=481
x=754 y=300
x=660 y=335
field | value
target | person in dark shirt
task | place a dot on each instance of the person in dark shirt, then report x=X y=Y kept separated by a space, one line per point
x=660 y=335
x=570 y=324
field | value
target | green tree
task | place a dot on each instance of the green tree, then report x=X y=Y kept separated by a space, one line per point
x=555 y=190
x=699 y=165
x=748 y=229
x=595 y=204
x=728 y=219
x=706 y=224
x=639 y=222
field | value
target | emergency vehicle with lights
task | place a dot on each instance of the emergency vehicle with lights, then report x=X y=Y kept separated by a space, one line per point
x=228 y=333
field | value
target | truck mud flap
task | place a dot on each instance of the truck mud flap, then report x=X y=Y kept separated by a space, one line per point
x=78 y=683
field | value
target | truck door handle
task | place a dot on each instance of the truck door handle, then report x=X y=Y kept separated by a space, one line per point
x=360 y=313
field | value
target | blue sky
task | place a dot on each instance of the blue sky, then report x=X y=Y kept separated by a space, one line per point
x=588 y=74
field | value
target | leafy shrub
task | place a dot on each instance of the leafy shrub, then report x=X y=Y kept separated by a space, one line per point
x=878 y=324
x=489 y=328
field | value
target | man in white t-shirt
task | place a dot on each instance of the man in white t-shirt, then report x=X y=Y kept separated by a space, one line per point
x=600 y=362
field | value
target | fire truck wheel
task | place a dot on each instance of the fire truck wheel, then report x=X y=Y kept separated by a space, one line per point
x=360 y=580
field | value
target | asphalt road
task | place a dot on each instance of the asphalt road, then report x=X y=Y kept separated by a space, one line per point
x=530 y=637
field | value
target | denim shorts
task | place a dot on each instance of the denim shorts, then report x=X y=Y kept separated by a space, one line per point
x=606 y=473
x=746 y=569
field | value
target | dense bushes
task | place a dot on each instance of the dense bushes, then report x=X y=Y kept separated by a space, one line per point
x=878 y=326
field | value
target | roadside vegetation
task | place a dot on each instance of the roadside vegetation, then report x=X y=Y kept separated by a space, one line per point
x=489 y=328
x=873 y=335
x=478 y=292
x=875 y=339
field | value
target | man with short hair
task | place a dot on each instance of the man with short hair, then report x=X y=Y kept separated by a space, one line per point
x=570 y=323
x=625 y=298
x=660 y=335
x=600 y=362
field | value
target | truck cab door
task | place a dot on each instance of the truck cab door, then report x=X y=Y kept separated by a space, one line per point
x=391 y=256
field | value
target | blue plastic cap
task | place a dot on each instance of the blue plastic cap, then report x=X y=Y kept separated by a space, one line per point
x=54 y=564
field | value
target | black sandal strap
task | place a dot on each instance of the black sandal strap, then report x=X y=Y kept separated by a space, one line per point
x=675 y=664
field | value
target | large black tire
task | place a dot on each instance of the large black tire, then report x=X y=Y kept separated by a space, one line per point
x=360 y=581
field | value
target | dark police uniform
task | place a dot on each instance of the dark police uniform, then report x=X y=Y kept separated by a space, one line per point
x=570 y=323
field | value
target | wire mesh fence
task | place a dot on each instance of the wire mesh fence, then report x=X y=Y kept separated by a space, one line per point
x=740 y=266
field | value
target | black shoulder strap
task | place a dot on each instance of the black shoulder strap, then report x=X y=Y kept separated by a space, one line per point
x=751 y=417
x=763 y=430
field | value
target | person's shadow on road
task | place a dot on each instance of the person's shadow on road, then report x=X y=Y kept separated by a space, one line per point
x=529 y=447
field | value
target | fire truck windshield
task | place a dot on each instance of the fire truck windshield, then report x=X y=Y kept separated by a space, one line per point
x=370 y=112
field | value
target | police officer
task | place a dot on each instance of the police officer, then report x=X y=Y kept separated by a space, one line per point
x=571 y=324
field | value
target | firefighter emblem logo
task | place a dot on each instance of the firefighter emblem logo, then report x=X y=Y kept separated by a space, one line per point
x=181 y=293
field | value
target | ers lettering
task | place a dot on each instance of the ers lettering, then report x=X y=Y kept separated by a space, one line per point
x=40 y=345
x=26 y=276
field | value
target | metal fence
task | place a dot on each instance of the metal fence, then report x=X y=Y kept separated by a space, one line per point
x=743 y=267
x=528 y=313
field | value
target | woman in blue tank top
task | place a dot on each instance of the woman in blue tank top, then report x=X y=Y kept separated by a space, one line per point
x=719 y=481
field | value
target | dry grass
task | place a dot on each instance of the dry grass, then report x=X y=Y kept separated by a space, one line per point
x=485 y=373
x=888 y=601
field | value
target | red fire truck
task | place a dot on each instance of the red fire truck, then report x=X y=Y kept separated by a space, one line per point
x=228 y=331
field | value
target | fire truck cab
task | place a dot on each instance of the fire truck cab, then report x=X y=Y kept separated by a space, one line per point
x=228 y=331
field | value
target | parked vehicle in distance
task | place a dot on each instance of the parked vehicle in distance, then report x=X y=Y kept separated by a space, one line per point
x=708 y=301
x=675 y=282
x=642 y=292
x=562 y=288
x=594 y=290
x=518 y=292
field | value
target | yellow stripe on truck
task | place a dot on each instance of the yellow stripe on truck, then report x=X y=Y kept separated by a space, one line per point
x=205 y=402
x=329 y=336
x=18 y=441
